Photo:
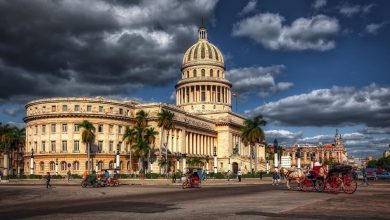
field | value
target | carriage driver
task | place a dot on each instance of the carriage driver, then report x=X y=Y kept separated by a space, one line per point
x=322 y=172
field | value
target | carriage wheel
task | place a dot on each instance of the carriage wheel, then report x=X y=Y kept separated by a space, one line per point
x=116 y=183
x=185 y=184
x=349 y=185
x=333 y=184
x=307 y=185
x=319 y=185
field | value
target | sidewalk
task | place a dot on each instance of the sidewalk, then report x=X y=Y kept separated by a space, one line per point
x=150 y=182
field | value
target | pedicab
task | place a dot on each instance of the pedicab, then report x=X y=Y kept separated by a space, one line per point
x=193 y=178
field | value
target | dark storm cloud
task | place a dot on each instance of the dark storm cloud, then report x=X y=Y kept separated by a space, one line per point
x=63 y=48
x=331 y=107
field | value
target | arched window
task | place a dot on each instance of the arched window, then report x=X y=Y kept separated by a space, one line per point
x=203 y=73
x=76 y=165
x=194 y=73
x=52 y=166
x=211 y=73
x=217 y=73
x=41 y=166
x=111 y=165
x=188 y=74
x=63 y=165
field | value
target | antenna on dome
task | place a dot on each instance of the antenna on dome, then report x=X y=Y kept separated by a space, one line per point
x=202 y=31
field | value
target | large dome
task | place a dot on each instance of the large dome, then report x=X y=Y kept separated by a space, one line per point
x=203 y=52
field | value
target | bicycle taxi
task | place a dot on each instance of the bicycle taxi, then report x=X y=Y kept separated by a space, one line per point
x=193 y=178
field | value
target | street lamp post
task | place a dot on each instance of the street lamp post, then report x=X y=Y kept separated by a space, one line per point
x=207 y=164
x=184 y=162
x=276 y=163
x=215 y=160
x=229 y=165
x=117 y=158
x=32 y=162
x=57 y=166
x=178 y=157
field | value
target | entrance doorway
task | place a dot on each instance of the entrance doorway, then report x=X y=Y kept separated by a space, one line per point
x=235 y=168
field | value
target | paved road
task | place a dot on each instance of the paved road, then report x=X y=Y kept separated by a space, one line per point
x=233 y=201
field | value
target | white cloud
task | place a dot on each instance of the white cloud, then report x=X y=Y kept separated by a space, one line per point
x=374 y=28
x=319 y=4
x=313 y=33
x=250 y=7
x=349 y=10
x=331 y=107
x=259 y=80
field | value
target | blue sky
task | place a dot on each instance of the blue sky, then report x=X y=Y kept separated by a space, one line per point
x=310 y=67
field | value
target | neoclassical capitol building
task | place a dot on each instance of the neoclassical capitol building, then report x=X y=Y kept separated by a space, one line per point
x=205 y=125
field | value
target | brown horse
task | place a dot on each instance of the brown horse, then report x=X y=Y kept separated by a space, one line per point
x=296 y=174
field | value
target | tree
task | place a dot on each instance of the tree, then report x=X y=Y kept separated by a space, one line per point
x=165 y=122
x=5 y=145
x=129 y=138
x=195 y=161
x=19 y=138
x=88 y=136
x=252 y=134
x=150 y=136
x=141 y=119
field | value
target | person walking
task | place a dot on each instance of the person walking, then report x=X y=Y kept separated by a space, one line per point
x=275 y=177
x=48 y=178
x=282 y=174
x=69 y=174
x=239 y=175
x=365 y=181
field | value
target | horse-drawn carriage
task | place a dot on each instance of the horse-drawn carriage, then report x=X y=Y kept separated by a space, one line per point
x=338 y=179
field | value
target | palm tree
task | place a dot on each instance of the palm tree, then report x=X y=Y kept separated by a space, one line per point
x=19 y=138
x=165 y=122
x=252 y=134
x=129 y=138
x=141 y=149
x=141 y=119
x=150 y=136
x=88 y=136
x=195 y=161
x=5 y=145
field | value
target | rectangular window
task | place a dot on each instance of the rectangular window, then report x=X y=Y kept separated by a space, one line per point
x=111 y=146
x=89 y=108
x=53 y=108
x=111 y=109
x=100 y=128
x=77 y=108
x=100 y=108
x=76 y=146
x=64 y=108
x=53 y=128
x=43 y=129
x=64 y=145
x=64 y=128
x=120 y=146
x=111 y=129
x=121 y=111
x=53 y=146
x=76 y=128
x=43 y=146
x=100 y=146
x=35 y=146
x=36 y=129
x=120 y=129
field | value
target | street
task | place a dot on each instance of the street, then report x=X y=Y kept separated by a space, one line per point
x=224 y=201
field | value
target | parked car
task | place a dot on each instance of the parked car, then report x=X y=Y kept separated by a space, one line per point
x=371 y=175
x=384 y=175
x=358 y=175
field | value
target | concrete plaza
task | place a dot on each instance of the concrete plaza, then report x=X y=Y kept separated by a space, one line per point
x=251 y=199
